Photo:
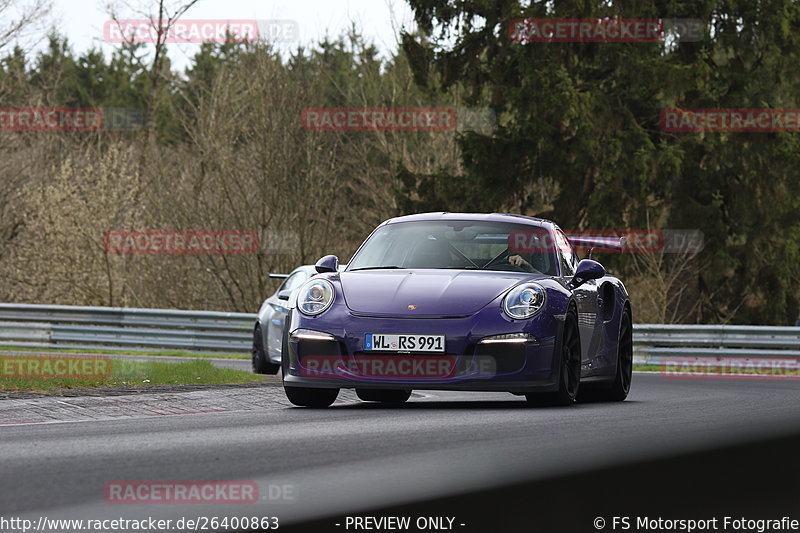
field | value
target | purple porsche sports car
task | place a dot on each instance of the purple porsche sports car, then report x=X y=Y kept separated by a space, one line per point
x=451 y=301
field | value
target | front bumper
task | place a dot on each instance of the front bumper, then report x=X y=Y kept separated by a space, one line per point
x=336 y=357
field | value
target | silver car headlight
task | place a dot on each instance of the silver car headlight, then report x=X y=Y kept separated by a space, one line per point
x=315 y=297
x=524 y=301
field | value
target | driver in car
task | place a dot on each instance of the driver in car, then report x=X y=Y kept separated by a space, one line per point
x=518 y=261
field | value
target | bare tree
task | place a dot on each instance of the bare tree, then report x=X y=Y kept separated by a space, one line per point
x=246 y=163
x=162 y=21
x=661 y=286
x=18 y=18
x=58 y=254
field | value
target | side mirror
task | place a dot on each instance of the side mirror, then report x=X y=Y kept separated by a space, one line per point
x=329 y=263
x=587 y=269
x=284 y=295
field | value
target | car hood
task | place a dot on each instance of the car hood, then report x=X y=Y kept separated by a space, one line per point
x=424 y=293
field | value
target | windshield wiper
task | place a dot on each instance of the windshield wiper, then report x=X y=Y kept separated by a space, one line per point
x=376 y=268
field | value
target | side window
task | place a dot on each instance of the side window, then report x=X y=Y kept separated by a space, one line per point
x=566 y=254
x=293 y=281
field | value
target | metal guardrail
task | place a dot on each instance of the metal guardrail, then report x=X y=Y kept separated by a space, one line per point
x=110 y=328
x=657 y=343
x=116 y=328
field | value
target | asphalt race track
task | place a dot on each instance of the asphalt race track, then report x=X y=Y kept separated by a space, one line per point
x=506 y=463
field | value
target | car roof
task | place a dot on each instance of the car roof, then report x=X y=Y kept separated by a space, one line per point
x=478 y=217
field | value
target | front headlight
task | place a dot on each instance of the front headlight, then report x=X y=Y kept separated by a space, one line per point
x=524 y=301
x=315 y=297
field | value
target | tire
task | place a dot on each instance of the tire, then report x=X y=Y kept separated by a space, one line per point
x=622 y=380
x=302 y=396
x=262 y=364
x=384 y=396
x=305 y=397
x=569 y=374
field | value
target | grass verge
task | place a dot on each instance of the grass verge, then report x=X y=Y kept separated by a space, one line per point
x=17 y=374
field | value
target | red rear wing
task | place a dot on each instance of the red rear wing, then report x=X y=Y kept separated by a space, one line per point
x=539 y=240
x=588 y=241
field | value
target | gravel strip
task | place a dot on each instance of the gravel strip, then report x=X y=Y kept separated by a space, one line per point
x=110 y=404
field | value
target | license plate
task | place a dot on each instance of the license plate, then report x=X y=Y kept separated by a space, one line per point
x=379 y=342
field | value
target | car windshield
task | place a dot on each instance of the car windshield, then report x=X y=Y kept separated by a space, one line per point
x=465 y=245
